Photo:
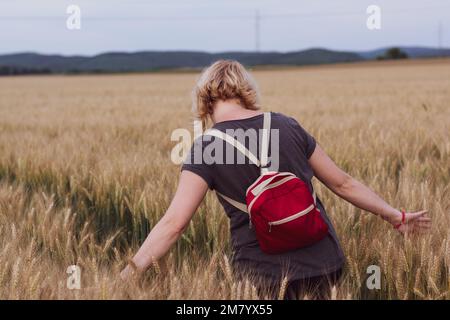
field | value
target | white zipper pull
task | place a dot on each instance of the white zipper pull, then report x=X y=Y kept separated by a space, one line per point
x=270 y=227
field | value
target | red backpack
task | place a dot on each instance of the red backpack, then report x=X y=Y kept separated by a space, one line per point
x=280 y=206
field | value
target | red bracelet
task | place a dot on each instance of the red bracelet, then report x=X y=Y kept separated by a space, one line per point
x=403 y=220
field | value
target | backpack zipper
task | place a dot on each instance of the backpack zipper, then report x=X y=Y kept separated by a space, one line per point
x=290 y=218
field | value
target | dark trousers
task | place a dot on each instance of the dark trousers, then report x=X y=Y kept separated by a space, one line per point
x=314 y=288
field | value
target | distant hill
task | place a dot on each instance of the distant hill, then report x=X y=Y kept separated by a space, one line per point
x=159 y=60
x=163 y=60
x=412 y=52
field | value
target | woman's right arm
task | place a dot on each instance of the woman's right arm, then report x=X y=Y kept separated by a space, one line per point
x=190 y=193
x=360 y=195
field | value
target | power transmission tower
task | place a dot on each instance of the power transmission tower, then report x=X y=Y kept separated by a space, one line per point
x=257 y=31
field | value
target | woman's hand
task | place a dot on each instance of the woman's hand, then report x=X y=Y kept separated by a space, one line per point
x=415 y=222
x=127 y=273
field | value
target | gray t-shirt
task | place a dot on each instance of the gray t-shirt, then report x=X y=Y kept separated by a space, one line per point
x=295 y=147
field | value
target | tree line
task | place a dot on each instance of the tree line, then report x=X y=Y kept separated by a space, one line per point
x=14 y=71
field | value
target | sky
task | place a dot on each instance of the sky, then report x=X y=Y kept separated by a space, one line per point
x=218 y=25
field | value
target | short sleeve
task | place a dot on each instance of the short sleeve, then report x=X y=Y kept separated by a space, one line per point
x=195 y=163
x=304 y=138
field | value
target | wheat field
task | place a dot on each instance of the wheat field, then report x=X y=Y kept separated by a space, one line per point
x=85 y=172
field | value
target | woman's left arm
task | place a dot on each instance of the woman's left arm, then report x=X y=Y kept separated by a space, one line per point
x=362 y=196
x=190 y=193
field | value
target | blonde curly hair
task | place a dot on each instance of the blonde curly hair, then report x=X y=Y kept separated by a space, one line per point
x=223 y=80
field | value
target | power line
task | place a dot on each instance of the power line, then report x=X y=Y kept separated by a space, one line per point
x=257 y=16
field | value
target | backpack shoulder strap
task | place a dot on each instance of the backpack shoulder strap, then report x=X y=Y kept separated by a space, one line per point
x=262 y=163
x=234 y=203
x=234 y=142
x=264 y=157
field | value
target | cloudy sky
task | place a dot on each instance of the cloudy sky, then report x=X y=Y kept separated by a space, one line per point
x=218 y=25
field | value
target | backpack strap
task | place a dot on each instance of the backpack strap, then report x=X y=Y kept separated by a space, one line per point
x=264 y=156
x=234 y=142
x=238 y=205
x=262 y=163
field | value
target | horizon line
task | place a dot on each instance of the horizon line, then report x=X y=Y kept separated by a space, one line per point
x=220 y=52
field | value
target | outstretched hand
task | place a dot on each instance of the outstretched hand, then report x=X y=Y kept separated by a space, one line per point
x=415 y=222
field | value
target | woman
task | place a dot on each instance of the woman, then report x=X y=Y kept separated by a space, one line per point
x=227 y=96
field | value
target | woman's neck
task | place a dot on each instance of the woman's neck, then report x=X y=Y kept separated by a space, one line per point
x=231 y=110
